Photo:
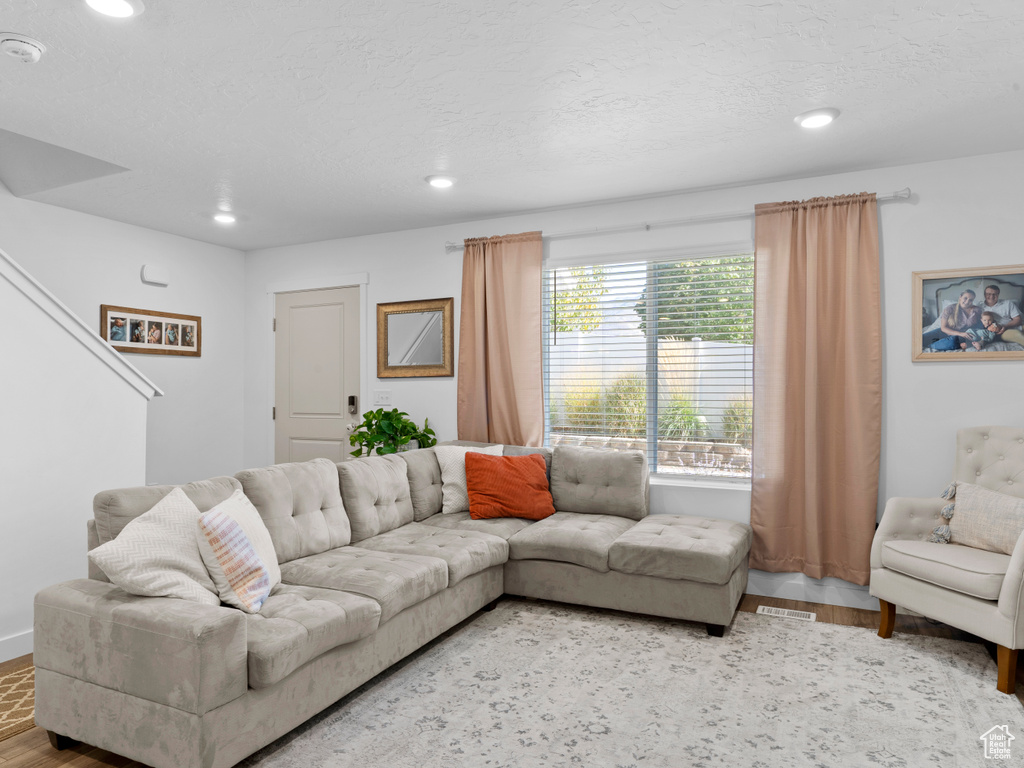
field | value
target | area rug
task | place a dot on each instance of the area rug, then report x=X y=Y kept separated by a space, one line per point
x=542 y=684
x=17 y=701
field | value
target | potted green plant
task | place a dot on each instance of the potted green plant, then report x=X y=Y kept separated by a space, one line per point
x=389 y=432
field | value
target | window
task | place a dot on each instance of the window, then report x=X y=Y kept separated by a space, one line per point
x=655 y=355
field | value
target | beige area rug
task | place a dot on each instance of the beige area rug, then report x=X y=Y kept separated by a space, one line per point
x=17 y=701
x=541 y=684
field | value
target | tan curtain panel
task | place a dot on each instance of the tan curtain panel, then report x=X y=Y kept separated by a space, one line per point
x=501 y=394
x=817 y=386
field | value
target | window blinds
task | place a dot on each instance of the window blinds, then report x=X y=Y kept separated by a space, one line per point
x=655 y=355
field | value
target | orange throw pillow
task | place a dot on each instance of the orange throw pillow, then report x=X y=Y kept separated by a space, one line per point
x=508 y=486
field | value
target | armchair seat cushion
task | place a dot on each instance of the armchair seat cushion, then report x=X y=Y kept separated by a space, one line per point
x=974 y=572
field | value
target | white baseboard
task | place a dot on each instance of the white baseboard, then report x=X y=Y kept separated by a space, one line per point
x=16 y=645
x=797 y=586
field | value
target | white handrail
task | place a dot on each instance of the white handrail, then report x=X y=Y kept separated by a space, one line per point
x=73 y=324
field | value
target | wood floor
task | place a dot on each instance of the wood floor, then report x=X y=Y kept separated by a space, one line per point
x=32 y=749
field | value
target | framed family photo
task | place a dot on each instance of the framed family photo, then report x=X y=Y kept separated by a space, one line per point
x=150 y=332
x=968 y=314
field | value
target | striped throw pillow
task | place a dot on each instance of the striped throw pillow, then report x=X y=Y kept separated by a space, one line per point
x=239 y=553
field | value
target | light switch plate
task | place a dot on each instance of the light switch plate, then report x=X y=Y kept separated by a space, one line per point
x=382 y=397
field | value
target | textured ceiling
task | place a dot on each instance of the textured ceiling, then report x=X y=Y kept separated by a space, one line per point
x=317 y=119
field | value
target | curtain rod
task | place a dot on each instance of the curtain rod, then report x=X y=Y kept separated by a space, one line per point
x=450 y=247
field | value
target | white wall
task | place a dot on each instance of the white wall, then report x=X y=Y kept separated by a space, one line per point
x=963 y=212
x=72 y=426
x=195 y=429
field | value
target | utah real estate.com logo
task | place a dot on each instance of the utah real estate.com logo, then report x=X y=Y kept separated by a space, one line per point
x=997 y=742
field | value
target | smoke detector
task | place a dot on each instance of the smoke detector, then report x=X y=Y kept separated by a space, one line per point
x=21 y=47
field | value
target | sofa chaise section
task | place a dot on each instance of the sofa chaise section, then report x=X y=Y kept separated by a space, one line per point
x=603 y=550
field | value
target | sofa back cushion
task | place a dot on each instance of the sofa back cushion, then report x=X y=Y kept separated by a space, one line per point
x=424 y=475
x=601 y=482
x=992 y=457
x=520 y=450
x=301 y=506
x=425 y=482
x=113 y=510
x=375 y=491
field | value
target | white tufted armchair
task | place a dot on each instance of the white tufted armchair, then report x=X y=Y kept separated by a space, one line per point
x=974 y=590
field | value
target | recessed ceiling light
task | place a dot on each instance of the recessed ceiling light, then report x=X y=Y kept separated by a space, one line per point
x=224 y=218
x=817 y=118
x=440 y=182
x=119 y=9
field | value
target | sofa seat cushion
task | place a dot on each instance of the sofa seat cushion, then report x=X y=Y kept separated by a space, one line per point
x=681 y=547
x=974 y=572
x=505 y=527
x=465 y=552
x=297 y=624
x=570 y=537
x=395 y=581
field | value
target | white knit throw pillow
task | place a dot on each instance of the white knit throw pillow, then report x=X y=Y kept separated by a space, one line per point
x=452 y=459
x=156 y=555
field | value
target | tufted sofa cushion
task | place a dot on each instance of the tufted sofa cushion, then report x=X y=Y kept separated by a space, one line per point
x=570 y=537
x=394 y=581
x=604 y=482
x=520 y=450
x=301 y=506
x=465 y=552
x=424 y=475
x=992 y=457
x=682 y=547
x=505 y=527
x=114 y=509
x=296 y=624
x=375 y=492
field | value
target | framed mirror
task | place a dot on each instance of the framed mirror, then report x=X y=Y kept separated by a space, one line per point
x=414 y=338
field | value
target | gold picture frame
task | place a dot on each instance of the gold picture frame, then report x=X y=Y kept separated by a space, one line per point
x=415 y=338
x=148 y=332
x=936 y=290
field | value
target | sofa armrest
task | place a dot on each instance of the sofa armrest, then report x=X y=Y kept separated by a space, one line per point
x=183 y=654
x=908 y=519
x=1011 y=594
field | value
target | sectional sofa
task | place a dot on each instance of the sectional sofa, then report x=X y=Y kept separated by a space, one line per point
x=371 y=571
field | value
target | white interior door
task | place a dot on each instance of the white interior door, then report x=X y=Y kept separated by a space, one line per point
x=316 y=372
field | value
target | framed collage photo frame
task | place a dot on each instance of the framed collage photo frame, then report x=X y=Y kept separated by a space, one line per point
x=148 y=332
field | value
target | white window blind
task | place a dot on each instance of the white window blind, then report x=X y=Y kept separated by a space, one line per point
x=655 y=355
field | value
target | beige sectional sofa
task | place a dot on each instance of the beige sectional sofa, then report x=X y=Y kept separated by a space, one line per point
x=370 y=572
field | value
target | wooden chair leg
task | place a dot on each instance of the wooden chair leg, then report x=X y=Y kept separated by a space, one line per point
x=888 y=620
x=1007 y=658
